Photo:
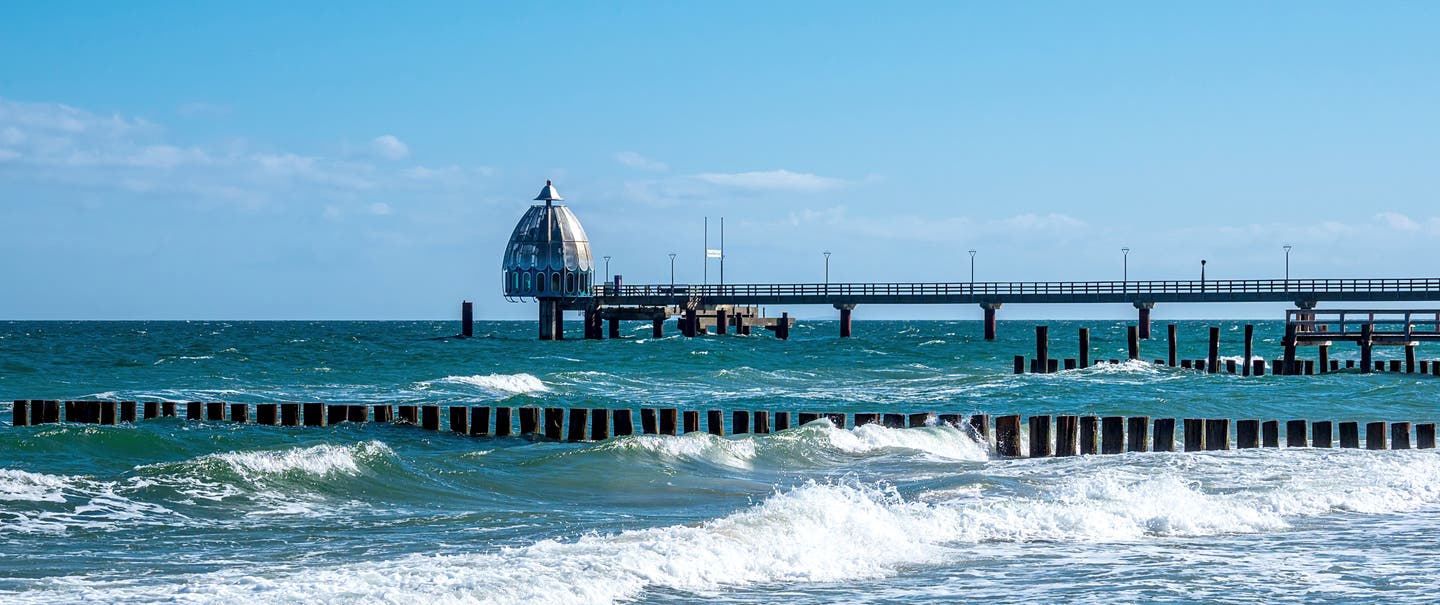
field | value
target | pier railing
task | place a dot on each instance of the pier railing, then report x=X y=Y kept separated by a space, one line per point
x=1050 y=288
x=1409 y=324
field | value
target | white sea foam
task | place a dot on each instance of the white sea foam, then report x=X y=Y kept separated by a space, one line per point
x=499 y=383
x=319 y=460
x=33 y=487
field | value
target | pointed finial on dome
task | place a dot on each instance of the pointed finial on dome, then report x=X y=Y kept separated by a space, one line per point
x=549 y=194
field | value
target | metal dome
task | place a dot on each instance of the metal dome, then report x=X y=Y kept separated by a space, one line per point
x=549 y=254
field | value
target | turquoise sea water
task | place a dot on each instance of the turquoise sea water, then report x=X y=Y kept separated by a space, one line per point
x=175 y=511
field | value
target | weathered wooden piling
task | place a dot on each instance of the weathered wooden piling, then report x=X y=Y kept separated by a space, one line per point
x=808 y=417
x=739 y=422
x=920 y=419
x=1040 y=437
x=1138 y=433
x=1395 y=366
x=1289 y=343
x=1067 y=433
x=1112 y=434
x=1194 y=434
x=1322 y=434
x=888 y=420
x=1247 y=434
x=1322 y=353
x=1349 y=434
x=1164 y=432
x=214 y=410
x=1217 y=434
x=579 y=418
x=1249 y=348
x=691 y=420
x=955 y=420
x=314 y=414
x=1132 y=341
x=1425 y=436
x=239 y=412
x=837 y=419
x=1400 y=435
x=761 y=420
x=1089 y=435
x=1213 y=361
x=1375 y=436
x=1366 y=343
x=167 y=409
x=503 y=425
x=289 y=414
x=357 y=413
x=715 y=422
x=782 y=329
x=669 y=421
x=1270 y=433
x=621 y=423
x=1019 y=364
x=1042 y=346
x=383 y=412
x=430 y=417
x=1295 y=433
x=555 y=423
x=1257 y=367
x=782 y=421
x=1409 y=359
x=1007 y=436
x=127 y=411
x=864 y=418
x=335 y=414
x=599 y=424
x=108 y=413
x=980 y=424
x=460 y=419
x=530 y=420
x=1084 y=347
x=479 y=421
x=649 y=421
x=1230 y=366
x=1070 y=363
x=20 y=412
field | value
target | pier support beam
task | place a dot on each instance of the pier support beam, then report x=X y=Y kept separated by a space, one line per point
x=1084 y=347
x=845 y=311
x=722 y=322
x=549 y=308
x=614 y=328
x=657 y=328
x=989 y=319
x=1173 y=332
x=782 y=329
x=1366 y=341
x=1143 y=327
x=1042 y=349
x=1249 y=347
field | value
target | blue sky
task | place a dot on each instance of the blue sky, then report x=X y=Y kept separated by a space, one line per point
x=267 y=161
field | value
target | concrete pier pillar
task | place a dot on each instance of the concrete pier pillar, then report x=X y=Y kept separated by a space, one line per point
x=547 y=319
x=614 y=328
x=989 y=319
x=845 y=311
x=467 y=319
x=1365 y=344
x=559 y=321
x=1143 y=326
x=722 y=322
x=740 y=328
x=1174 y=335
x=1042 y=348
x=692 y=323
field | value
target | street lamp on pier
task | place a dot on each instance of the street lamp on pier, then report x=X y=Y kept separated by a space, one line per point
x=827 y=271
x=1287 y=248
x=972 y=267
x=672 y=273
x=1125 y=269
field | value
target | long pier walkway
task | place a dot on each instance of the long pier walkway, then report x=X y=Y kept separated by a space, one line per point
x=1143 y=295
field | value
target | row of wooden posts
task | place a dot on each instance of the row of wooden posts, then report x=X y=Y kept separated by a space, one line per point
x=1042 y=363
x=1048 y=436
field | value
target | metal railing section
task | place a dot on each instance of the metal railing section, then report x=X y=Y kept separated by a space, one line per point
x=1141 y=288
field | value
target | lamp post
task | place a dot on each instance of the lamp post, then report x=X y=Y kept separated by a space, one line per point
x=1202 y=275
x=827 y=271
x=1125 y=269
x=607 y=268
x=1287 y=248
x=972 y=267
x=672 y=273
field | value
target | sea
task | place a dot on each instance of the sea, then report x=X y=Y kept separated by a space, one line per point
x=176 y=511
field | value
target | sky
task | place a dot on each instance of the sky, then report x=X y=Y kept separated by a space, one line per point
x=284 y=160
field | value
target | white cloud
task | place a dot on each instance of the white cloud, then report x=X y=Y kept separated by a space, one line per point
x=1397 y=221
x=772 y=180
x=640 y=162
x=199 y=109
x=389 y=147
x=380 y=209
x=1049 y=222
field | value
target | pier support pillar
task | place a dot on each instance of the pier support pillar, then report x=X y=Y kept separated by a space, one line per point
x=692 y=323
x=1366 y=339
x=559 y=321
x=1133 y=337
x=1214 y=357
x=614 y=328
x=1174 y=334
x=1324 y=358
x=845 y=311
x=782 y=329
x=657 y=328
x=722 y=322
x=1143 y=327
x=989 y=319
x=1409 y=359
x=1084 y=347
x=467 y=319
x=1042 y=348
x=548 y=311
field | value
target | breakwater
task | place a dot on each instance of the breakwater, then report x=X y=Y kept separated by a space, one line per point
x=1066 y=435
